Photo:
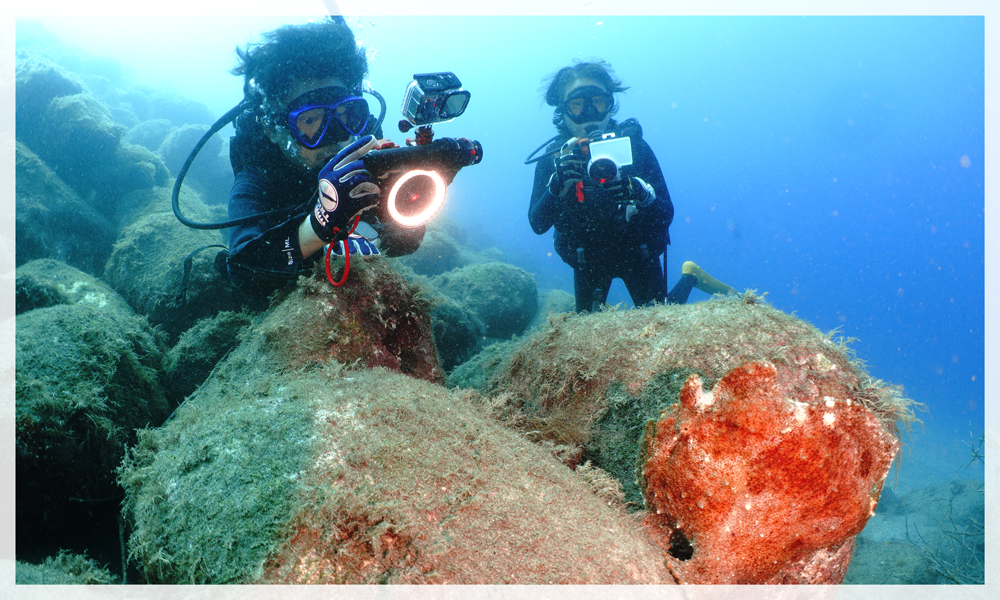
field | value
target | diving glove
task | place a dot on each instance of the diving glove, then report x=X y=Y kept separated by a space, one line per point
x=346 y=189
x=632 y=189
x=569 y=171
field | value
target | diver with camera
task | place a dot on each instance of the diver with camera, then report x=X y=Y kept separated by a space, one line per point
x=311 y=168
x=598 y=183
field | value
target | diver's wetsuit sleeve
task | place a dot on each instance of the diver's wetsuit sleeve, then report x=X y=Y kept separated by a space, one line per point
x=544 y=208
x=661 y=212
x=264 y=255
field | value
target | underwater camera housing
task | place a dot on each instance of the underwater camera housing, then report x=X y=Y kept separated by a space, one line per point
x=608 y=154
x=434 y=98
x=417 y=175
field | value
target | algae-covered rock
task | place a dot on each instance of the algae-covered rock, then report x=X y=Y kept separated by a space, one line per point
x=63 y=569
x=140 y=203
x=457 y=331
x=81 y=140
x=47 y=282
x=131 y=167
x=503 y=296
x=149 y=134
x=86 y=378
x=51 y=221
x=38 y=82
x=376 y=319
x=553 y=302
x=273 y=474
x=210 y=174
x=147 y=268
x=197 y=352
x=694 y=402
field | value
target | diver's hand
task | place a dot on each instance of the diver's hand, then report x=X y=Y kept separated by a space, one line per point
x=345 y=190
x=357 y=244
x=569 y=171
x=632 y=189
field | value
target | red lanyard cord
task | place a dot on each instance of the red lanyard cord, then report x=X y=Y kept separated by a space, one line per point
x=347 y=257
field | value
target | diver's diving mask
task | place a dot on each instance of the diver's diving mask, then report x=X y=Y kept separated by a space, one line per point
x=326 y=116
x=588 y=103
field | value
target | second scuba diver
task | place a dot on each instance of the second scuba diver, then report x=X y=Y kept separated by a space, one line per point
x=614 y=226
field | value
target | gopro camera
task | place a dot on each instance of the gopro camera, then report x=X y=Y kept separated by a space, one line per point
x=434 y=98
x=608 y=154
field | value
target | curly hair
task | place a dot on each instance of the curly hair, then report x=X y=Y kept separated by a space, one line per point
x=555 y=84
x=292 y=53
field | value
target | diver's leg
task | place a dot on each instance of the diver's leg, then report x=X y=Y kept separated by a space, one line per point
x=706 y=282
x=645 y=282
x=591 y=287
x=682 y=289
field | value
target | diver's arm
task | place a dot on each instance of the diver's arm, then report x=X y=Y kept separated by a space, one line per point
x=544 y=206
x=263 y=254
x=648 y=169
x=309 y=242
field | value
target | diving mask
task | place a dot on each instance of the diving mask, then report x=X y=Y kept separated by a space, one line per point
x=326 y=116
x=588 y=103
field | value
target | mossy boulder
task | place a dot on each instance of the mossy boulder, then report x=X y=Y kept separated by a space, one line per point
x=86 y=379
x=376 y=319
x=147 y=267
x=290 y=468
x=458 y=331
x=47 y=282
x=707 y=409
x=149 y=134
x=553 y=302
x=65 y=568
x=52 y=221
x=210 y=174
x=81 y=141
x=37 y=82
x=503 y=296
x=197 y=352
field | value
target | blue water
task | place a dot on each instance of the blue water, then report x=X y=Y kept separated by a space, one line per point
x=836 y=163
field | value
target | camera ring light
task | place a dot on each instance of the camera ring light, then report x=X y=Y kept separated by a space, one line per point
x=428 y=213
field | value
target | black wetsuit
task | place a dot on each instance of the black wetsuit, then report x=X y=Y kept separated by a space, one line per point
x=603 y=239
x=264 y=254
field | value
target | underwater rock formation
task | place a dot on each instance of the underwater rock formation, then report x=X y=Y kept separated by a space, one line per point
x=626 y=386
x=210 y=174
x=51 y=221
x=375 y=320
x=47 y=282
x=86 y=378
x=503 y=296
x=38 y=82
x=149 y=134
x=290 y=467
x=147 y=268
x=198 y=350
x=81 y=140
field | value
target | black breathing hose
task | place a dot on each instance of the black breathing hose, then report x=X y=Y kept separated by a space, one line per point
x=224 y=120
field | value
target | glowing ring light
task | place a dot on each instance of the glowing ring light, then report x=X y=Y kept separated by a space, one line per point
x=431 y=210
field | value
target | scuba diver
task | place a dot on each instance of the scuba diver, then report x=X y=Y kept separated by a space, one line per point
x=301 y=132
x=599 y=184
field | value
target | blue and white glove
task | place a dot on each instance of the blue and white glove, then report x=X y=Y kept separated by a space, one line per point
x=345 y=190
x=357 y=244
